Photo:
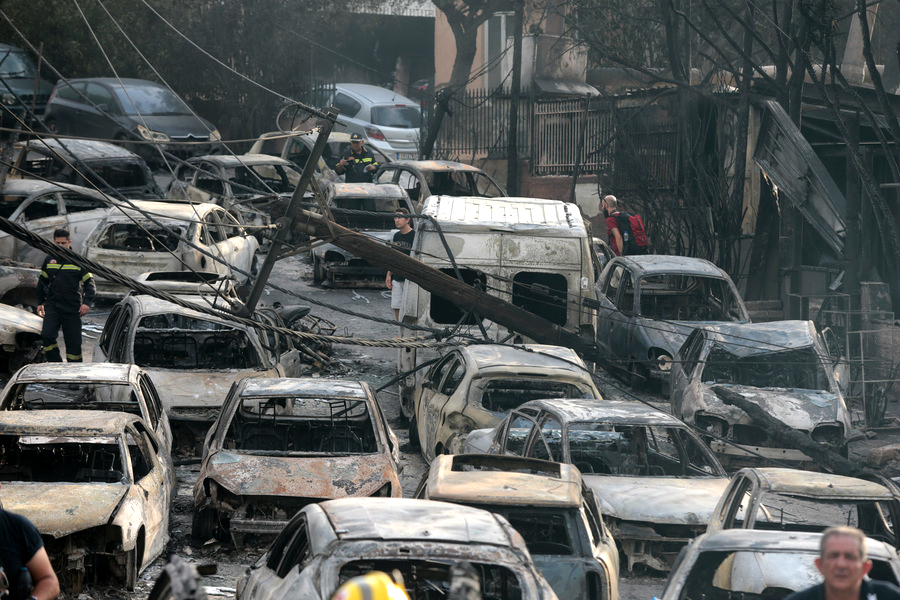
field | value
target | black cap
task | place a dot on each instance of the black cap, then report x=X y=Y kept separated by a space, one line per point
x=355 y=137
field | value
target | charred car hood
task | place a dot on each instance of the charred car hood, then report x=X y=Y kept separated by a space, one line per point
x=178 y=126
x=86 y=504
x=688 y=500
x=299 y=476
x=800 y=409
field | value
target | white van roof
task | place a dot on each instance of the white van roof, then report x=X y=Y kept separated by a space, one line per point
x=470 y=213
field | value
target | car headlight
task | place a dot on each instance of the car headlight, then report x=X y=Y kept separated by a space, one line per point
x=661 y=360
x=830 y=435
x=714 y=425
x=152 y=136
x=215 y=136
x=9 y=98
x=461 y=423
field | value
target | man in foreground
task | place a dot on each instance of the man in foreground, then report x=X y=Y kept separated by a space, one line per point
x=844 y=564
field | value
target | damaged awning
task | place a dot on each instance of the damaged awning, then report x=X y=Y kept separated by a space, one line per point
x=788 y=160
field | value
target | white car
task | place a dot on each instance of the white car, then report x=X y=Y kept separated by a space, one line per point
x=198 y=237
x=97 y=485
x=42 y=207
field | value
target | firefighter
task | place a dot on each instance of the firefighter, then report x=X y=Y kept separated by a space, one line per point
x=374 y=585
x=357 y=162
x=65 y=293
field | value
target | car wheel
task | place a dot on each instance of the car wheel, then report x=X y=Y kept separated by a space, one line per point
x=179 y=580
x=637 y=376
x=413 y=432
x=203 y=524
x=132 y=566
x=318 y=270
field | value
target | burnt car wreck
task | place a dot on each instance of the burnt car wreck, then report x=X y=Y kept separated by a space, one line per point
x=280 y=444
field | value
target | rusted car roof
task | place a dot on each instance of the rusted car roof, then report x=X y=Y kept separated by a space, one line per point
x=778 y=541
x=370 y=190
x=150 y=305
x=274 y=386
x=161 y=211
x=16 y=320
x=68 y=423
x=505 y=480
x=608 y=411
x=236 y=160
x=83 y=149
x=472 y=213
x=655 y=264
x=107 y=372
x=28 y=187
x=491 y=356
x=820 y=485
x=437 y=165
x=392 y=519
x=747 y=339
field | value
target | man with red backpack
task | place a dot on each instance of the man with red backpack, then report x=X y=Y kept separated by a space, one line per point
x=626 y=231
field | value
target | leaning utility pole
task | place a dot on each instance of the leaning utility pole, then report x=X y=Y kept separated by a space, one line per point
x=459 y=293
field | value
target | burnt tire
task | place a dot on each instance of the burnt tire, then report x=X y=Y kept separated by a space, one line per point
x=204 y=524
x=132 y=567
x=318 y=270
x=179 y=580
x=414 y=432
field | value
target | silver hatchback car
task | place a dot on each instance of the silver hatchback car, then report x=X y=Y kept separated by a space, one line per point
x=388 y=121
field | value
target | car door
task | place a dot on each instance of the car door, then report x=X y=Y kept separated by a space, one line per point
x=41 y=215
x=159 y=420
x=608 y=294
x=432 y=397
x=621 y=323
x=238 y=246
x=210 y=237
x=153 y=476
x=92 y=119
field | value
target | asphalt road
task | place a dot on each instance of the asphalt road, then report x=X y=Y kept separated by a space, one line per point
x=373 y=365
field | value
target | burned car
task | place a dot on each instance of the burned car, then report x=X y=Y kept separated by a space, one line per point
x=97 y=485
x=648 y=305
x=280 y=444
x=88 y=386
x=297 y=148
x=43 y=207
x=131 y=243
x=192 y=358
x=548 y=504
x=792 y=500
x=474 y=387
x=20 y=338
x=656 y=481
x=784 y=367
x=424 y=178
x=252 y=184
x=328 y=543
x=339 y=267
x=738 y=563
x=18 y=283
x=89 y=163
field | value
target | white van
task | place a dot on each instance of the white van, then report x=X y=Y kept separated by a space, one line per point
x=531 y=252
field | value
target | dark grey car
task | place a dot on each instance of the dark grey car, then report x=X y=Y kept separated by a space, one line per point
x=20 y=85
x=130 y=110
x=648 y=305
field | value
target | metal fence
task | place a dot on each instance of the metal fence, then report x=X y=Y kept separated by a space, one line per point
x=623 y=139
x=478 y=125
